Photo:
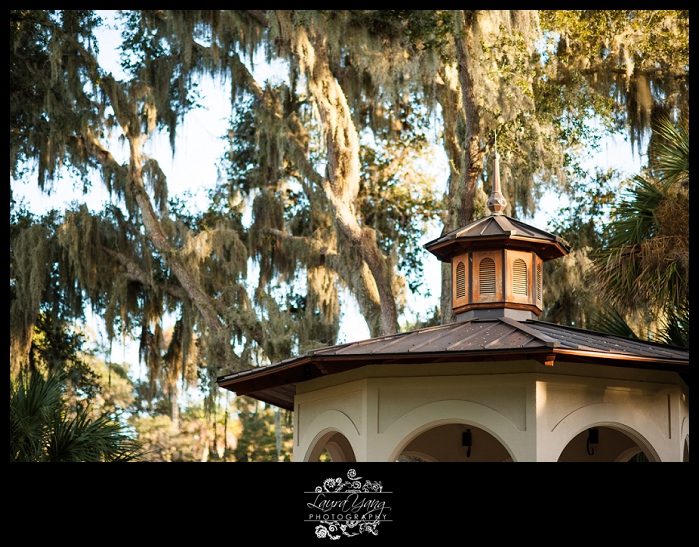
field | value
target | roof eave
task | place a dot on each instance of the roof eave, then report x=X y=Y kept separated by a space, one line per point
x=547 y=250
x=266 y=380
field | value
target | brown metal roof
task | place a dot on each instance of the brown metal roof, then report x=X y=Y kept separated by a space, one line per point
x=501 y=229
x=476 y=340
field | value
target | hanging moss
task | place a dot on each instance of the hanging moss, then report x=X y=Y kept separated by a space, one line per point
x=639 y=57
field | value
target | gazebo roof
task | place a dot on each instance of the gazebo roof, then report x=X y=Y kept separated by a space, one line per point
x=478 y=340
x=498 y=230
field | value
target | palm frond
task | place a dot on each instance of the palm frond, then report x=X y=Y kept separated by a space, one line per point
x=609 y=320
x=675 y=328
x=672 y=151
x=634 y=218
x=44 y=429
x=645 y=261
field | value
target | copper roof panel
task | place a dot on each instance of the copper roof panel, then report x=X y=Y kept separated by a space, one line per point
x=456 y=337
x=603 y=342
x=493 y=334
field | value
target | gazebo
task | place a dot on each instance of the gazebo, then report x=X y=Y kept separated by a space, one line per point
x=495 y=385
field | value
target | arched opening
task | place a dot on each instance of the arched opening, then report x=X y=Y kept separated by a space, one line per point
x=454 y=443
x=332 y=446
x=604 y=444
x=685 y=451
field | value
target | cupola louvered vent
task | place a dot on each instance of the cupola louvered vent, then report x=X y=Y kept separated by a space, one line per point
x=538 y=281
x=486 y=276
x=519 y=277
x=460 y=280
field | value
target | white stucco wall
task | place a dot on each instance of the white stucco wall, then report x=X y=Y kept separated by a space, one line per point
x=532 y=410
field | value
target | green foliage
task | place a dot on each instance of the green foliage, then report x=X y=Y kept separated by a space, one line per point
x=568 y=296
x=611 y=321
x=646 y=257
x=631 y=249
x=197 y=436
x=638 y=57
x=266 y=436
x=43 y=428
x=397 y=197
x=644 y=263
x=674 y=329
x=590 y=202
x=51 y=100
x=65 y=405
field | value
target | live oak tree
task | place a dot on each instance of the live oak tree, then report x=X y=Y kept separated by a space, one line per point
x=329 y=159
x=135 y=263
x=637 y=60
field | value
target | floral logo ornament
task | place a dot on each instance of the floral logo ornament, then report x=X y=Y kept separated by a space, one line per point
x=346 y=507
x=352 y=484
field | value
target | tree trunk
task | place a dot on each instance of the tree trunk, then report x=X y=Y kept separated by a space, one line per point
x=449 y=96
x=466 y=159
x=473 y=151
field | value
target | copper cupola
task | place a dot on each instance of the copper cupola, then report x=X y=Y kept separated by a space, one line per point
x=497 y=262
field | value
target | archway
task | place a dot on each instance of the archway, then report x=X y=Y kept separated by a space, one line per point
x=626 y=421
x=605 y=444
x=332 y=432
x=401 y=438
x=332 y=446
x=455 y=442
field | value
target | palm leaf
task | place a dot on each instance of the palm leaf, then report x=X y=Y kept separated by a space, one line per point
x=675 y=328
x=44 y=429
x=609 y=320
x=645 y=261
x=672 y=151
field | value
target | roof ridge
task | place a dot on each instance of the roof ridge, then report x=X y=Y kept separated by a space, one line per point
x=552 y=342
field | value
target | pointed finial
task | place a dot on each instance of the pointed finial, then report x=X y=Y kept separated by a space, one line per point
x=496 y=202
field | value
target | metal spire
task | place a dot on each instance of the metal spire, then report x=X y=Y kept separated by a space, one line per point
x=496 y=202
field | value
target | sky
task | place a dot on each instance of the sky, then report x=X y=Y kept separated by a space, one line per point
x=194 y=169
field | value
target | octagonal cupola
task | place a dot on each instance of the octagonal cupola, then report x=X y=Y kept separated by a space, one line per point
x=497 y=262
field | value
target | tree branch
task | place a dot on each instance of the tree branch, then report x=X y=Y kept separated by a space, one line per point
x=341 y=184
x=136 y=274
x=350 y=267
x=259 y=16
x=280 y=126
